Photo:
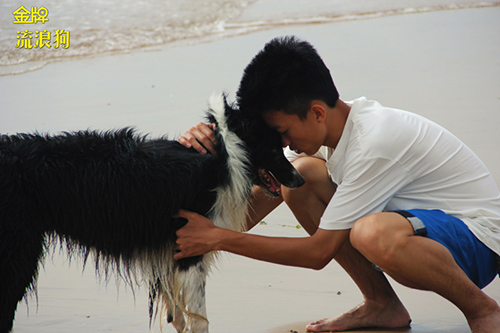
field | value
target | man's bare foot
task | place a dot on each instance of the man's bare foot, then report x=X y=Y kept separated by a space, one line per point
x=367 y=314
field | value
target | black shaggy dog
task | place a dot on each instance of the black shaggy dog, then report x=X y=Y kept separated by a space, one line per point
x=112 y=195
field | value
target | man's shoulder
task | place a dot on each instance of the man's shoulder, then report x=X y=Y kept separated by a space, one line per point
x=383 y=131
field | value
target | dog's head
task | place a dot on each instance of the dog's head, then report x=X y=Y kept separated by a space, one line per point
x=268 y=167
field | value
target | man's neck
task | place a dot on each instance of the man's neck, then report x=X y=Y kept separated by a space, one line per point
x=337 y=118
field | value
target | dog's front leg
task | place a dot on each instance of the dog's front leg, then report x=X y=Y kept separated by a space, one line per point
x=175 y=316
x=194 y=289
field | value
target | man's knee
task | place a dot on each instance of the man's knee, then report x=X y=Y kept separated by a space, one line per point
x=365 y=233
x=379 y=236
x=303 y=166
x=309 y=201
x=318 y=183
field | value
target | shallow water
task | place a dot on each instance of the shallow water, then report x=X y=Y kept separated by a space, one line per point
x=110 y=26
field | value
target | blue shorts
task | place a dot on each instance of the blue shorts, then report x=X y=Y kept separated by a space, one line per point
x=475 y=258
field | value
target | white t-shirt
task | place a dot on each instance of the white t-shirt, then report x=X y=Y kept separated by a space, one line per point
x=389 y=159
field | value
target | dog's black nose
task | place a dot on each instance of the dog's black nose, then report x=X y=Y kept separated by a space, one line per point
x=297 y=181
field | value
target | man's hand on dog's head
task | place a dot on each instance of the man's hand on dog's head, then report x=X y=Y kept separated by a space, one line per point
x=200 y=137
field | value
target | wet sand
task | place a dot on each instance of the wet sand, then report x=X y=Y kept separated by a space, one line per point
x=443 y=65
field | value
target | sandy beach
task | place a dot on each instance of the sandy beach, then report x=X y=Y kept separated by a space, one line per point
x=444 y=65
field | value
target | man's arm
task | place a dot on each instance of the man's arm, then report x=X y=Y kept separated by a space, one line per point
x=201 y=236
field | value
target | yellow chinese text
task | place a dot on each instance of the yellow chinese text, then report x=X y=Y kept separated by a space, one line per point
x=34 y=15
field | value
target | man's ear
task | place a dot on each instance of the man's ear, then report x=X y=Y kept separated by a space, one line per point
x=318 y=111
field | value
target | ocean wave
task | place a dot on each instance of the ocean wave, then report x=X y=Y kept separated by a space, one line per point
x=101 y=35
x=271 y=23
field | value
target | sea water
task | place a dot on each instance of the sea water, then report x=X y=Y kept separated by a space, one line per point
x=37 y=32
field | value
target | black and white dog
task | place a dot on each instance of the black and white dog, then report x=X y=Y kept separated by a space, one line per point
x=112 y=196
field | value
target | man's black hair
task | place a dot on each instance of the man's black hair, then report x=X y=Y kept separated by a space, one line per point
x=286 y=76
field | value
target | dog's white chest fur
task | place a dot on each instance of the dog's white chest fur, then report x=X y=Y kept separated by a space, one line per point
x=182 y=292
x=231 y=206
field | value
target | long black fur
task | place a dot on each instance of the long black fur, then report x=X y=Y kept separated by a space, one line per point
x=110 y=194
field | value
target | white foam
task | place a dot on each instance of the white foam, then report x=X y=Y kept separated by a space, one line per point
x=110 y=27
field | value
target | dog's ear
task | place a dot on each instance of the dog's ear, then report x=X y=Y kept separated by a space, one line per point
x=229 y=108
x=211 y=119
x=218 y=107
x=234 y=116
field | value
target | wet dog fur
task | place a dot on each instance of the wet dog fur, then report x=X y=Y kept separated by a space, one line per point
x=111 y=196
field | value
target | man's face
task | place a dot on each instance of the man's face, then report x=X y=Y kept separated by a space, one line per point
x=302 y=135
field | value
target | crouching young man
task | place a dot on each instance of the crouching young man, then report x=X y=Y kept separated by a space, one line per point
x=386 y=191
